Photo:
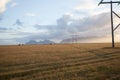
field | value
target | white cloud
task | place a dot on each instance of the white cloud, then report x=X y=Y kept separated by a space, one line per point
x=85 y=5
x=30 y=14
x=14 y=4
x=3 y=4
x=89 y=8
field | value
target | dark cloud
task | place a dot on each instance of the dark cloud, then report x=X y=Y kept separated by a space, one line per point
x=88 y=23
x=63 y=21
x=58 y=31
x=62 y=24
x=6 y=28
x=93 y=26
x=3 y=28
x=18 y=22
x=45 y=36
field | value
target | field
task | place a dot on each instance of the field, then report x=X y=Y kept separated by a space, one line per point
x=60 y=62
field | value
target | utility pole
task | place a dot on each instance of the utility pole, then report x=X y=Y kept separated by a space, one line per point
x=113 y=42
x=112 y=26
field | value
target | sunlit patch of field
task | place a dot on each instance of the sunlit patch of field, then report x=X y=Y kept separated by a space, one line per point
x=60 y=62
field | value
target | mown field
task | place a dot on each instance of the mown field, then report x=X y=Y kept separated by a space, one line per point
x=60 y=62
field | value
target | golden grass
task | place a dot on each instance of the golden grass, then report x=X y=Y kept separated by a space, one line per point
x=60 y=62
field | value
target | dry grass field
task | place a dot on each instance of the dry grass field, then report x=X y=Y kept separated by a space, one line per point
x=60 y=62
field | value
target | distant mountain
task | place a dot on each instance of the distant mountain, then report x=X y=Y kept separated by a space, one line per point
x=46 y=42
x=40 y=42
x=32 y=42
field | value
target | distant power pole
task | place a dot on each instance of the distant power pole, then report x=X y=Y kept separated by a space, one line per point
x=112 y=12
x=74 y=38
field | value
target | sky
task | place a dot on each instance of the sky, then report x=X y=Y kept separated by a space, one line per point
x=56 y=20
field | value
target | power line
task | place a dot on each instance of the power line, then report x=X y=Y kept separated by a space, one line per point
x=112 y=12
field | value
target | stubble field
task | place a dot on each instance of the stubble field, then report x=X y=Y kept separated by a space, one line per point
x=60 y=62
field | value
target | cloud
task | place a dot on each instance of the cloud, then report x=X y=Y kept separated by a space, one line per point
x=3 y=4
x=89 y=29
x=8 y=42
x=89 y=8
x=14 y=4
x=83 y=6
x=18 y=22
x=62 y=24
x=1 y=17
x=3 y=29
x=30 y=14
x=89 y=23
x=64 y=20
x=96 y=26
x=3 y=7
x=86 y=28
